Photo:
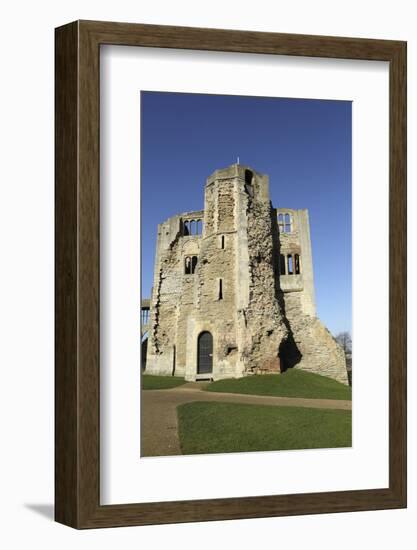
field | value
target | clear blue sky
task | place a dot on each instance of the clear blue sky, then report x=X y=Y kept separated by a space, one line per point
x=303 y=145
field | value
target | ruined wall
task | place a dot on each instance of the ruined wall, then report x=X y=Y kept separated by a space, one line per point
x=318 y=350
x=320 y=353
x=264 y=327
x=165 y=297
x=261 y=319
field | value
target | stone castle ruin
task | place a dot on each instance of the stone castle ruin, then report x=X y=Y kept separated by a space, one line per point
x=233 y=291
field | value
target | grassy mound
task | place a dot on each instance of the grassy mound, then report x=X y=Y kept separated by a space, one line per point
x=292 y=383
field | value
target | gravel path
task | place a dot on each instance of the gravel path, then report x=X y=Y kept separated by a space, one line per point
x=159 y=415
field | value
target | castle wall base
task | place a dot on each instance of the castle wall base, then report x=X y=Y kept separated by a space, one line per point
x=160 y=365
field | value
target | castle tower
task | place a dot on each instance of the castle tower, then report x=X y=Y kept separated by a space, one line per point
x=233 y=288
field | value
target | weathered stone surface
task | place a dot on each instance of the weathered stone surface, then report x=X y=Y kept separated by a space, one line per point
x=247 y=279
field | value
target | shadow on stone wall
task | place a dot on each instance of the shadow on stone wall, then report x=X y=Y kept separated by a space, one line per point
x=349 y=367
x=288 y=352
x=144 y=349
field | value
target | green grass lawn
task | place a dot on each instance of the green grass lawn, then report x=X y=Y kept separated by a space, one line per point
x=229 y=427
x=150 y=382
x=292 y=383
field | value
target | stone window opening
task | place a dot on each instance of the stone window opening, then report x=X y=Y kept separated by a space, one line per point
x=285 y=223
x=297 y=264
x=290 y=264
x=145 y=316
x=248 y=183
x=222 y=242
x=190 y=263
x=187 y=270
x=282 y=264
x=288 y=223
x=220 y=289
x=192 y=227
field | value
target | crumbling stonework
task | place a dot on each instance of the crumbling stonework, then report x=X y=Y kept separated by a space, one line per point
x=233 y=290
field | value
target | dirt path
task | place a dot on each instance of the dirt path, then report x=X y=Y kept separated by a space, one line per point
x=159 y=415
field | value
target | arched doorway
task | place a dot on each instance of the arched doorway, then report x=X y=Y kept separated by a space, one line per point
x=205 y=353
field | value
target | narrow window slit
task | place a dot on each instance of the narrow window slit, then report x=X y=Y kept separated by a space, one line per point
x=297 y=264
x=290 y=264
x=187 y=266
x=282 y=264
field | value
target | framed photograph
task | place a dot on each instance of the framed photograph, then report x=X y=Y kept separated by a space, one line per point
x=230 y=274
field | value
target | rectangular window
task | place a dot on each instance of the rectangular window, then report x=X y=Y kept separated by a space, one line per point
x=190 y=263
x=220 y=289
x=285 y=223
x=290 y=264
x=297 y=264
x=281 y=223
x=282 y=264
x=145 y=316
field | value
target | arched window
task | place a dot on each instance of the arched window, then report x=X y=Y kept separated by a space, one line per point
x=198 y=227
x=187 y=265
x=186 y=228
x=190 y=263
x=192 y=227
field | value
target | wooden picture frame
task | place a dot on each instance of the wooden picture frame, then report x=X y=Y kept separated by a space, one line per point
x=77 y=405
